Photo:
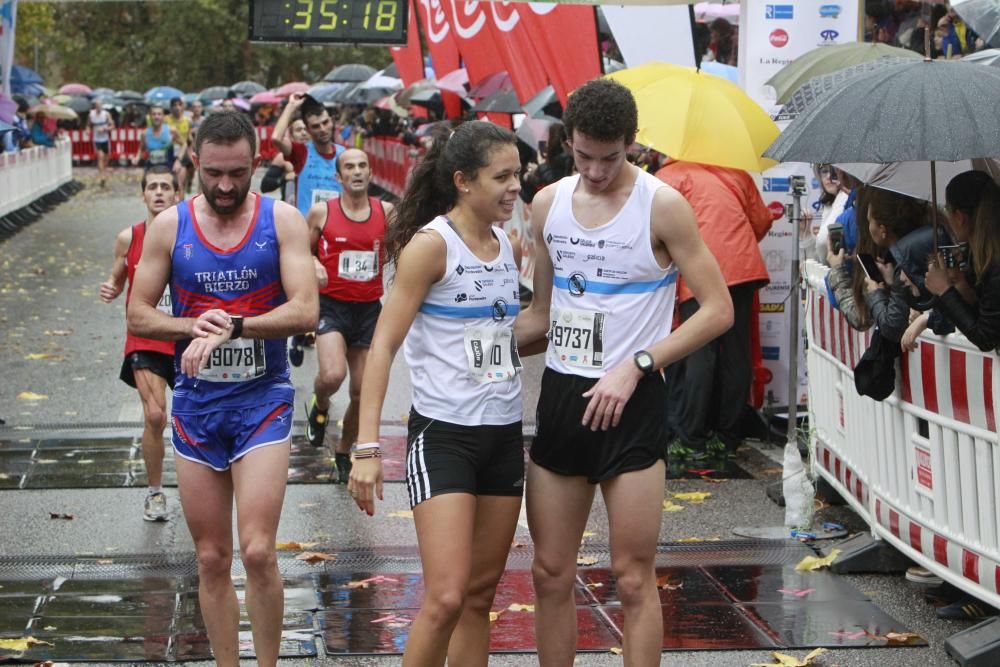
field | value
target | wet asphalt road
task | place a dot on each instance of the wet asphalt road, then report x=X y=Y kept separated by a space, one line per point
x=59 y=342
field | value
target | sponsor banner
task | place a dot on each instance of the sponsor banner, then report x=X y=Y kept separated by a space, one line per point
x=442 y=47
x=648 y=34
x=516 y=47
x=565 y=39
x=468 y=21
x=409 y=60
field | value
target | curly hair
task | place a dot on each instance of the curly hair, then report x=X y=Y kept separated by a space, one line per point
x=602 y=109
x=431 y=191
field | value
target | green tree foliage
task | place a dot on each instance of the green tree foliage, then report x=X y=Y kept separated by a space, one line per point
x=188 y=44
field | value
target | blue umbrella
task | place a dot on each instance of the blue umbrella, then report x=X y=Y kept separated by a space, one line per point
x=21 y=75
x=162 y=94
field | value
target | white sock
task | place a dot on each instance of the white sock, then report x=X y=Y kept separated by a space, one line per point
x=154 y=489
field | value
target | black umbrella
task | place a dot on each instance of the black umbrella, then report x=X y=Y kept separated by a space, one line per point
x=352 y=72
x=818 y=86
x=544 y=102
x=247 y=88
x=78 y=103
x=502 y=101
x=361 y=95
x=924 y=111
x=213 y=93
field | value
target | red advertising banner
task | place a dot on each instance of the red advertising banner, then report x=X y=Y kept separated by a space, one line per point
x=565 y=39
x=468 y=20
x=442 y=47
x=409 y=60
x=516 y=48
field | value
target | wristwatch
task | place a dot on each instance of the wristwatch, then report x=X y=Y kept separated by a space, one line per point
x=237 y=321
x=644 y=361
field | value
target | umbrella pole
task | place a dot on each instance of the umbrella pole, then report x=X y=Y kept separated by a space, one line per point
x=934 y=205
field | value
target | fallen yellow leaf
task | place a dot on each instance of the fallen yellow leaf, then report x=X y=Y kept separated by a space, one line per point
x=30 y=396
x=813 y=563
x=790 y=660
x=693 y=496
x=530 y=608
x=901 y=638
x=615 y=650
x=283 y=546
x=313 y=557
x=401 y=514
x=594 y=584
x=585 y=560
x=588 y=533
x=494 y=615
x=670 y=506
x=664 y=582
x=34 y=356
x=22 y=644
x=58 y=332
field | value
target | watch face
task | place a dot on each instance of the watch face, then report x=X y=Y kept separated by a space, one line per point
x=644 y=360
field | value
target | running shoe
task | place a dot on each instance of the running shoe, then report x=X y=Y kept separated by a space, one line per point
x=297 y=350
x=921 y=575
x=677 y=450
x=155 y=507
x=343 y=467
x=315 y=424
x=966 y=609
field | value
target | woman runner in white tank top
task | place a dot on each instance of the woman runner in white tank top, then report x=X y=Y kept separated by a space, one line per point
x=453 y=299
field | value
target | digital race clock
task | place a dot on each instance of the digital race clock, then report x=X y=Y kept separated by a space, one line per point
x=329 y=21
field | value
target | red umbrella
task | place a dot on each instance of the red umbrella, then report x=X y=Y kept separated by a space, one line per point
x=265 y=97
x=491 y=84
x=75 y=89
x=289 y=88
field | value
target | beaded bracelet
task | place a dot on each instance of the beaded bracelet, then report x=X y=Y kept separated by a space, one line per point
x=369 y=454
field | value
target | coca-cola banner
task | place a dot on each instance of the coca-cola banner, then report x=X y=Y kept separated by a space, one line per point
x=409 y=61
x=565 y=39
x=516 y=48
x=442 y=46
x=468 y=20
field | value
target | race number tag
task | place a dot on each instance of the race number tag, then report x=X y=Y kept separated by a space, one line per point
x=235 y=361
x=165 y=305
x=323 y=195
x=357 y=265
x=577 y=336
x=491 y=353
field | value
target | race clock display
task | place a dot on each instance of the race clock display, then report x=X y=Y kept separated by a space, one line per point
x=381 y=22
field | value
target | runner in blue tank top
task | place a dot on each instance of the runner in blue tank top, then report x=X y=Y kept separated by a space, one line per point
x=156 y=141
x=242 y=280
x=609 y=243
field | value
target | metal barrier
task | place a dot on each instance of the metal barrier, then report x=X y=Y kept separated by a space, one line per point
x=923 y=466
x=391 y=161
x=32 y=173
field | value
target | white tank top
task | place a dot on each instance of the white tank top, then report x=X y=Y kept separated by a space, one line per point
x=460 y=349
x=610 y=297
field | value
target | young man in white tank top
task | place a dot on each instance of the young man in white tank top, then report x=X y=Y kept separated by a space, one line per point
x=610 y=242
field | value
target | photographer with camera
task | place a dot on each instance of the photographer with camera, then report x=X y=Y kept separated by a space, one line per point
x=965 y=277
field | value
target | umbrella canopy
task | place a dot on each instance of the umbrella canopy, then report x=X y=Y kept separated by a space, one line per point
x=381 y=80
x=162 y=94
x=213 y=93
x=533 y=130
x=8 y=108
x=697 y=117
x=77 y=103
x=361 y=95
x=924 y=110
x=827 y=59
x=75 y=89
x=6 y=127
x=818 y=86
x=456 y=81
x=351 y=73
x=501 y=101
x=544 y=101
x=983 y=16
x=491 y=84
x=985 y=57
x=391 y=70
x=265 y=97
x=914 y=178
x=423 y=86
x=54 y=111
x=22 y=76
x=189 y=98
x=727 y=72
x=238 y=102
x=247 y=88
x=327 y=92
x=130 y=95
x=102 y=92
x=292 y=87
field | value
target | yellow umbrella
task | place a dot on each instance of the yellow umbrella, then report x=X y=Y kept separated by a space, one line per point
x=696 y=117
x=54 y=111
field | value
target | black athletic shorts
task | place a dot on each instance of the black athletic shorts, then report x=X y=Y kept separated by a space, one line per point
x=186 y=162
x=159 y=363
x=103 y=147
x=354 y=320
x=564 y=446
x=442 y=457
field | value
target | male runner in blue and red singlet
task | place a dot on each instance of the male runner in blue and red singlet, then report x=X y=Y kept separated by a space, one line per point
x=347 y=235
x=149 y=364
x=242 y=281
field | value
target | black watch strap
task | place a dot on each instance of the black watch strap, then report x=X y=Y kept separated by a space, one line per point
x=237 y=332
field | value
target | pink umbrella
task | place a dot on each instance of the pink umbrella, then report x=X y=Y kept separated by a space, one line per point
x=75 y=89
x=455 y=81
x=491 y=84
x=265 y=97
x=293 y=87
x=7 y=109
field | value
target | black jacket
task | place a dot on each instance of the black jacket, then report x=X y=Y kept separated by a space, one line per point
x=979 y=322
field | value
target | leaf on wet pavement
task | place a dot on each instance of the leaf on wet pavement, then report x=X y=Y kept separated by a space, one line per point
x=670 y=506
x=35 y=356
x=785 y=660
x=813 y=563
x=31 y=396
x=285 y=546
x=516 y=606
x=594 y=584
x=21 y=644
x=401 y=514
x=365 y=583
x=666 y=583
x=59 y=332
x=60 y=515
x=313 y=557
x=615 y=650
x=494 y=615
x=897 y=638
x=392 y=621
x=797 y=592
x=692 y=496
x=585 y=560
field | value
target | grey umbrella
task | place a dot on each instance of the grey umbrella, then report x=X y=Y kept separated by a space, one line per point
x=544 y=98
x=353 y=72
x=502 y=101
x=78 y=103
x=818 y=86
x=983 y=16
x=247 y=88
x=213 y=93
x=985 y=57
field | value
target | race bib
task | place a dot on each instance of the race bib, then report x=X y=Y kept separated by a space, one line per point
x=491 y=353
x=323 y=195
x=165 y=304
x=235 y=361
x=158 y=156
x=577 y=336
x=357 y=265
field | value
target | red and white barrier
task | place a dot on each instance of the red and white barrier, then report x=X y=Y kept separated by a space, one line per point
x=923 y=466
x=123 y=145
x=32 y=173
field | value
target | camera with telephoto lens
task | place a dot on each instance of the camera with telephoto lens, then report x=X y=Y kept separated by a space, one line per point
x=955 y=256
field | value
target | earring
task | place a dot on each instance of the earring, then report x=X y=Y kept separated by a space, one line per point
x=466 y=190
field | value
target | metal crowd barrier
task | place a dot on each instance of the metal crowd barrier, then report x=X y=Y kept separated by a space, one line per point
x=33 y=173
x=921 y=467
x=392 y=161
